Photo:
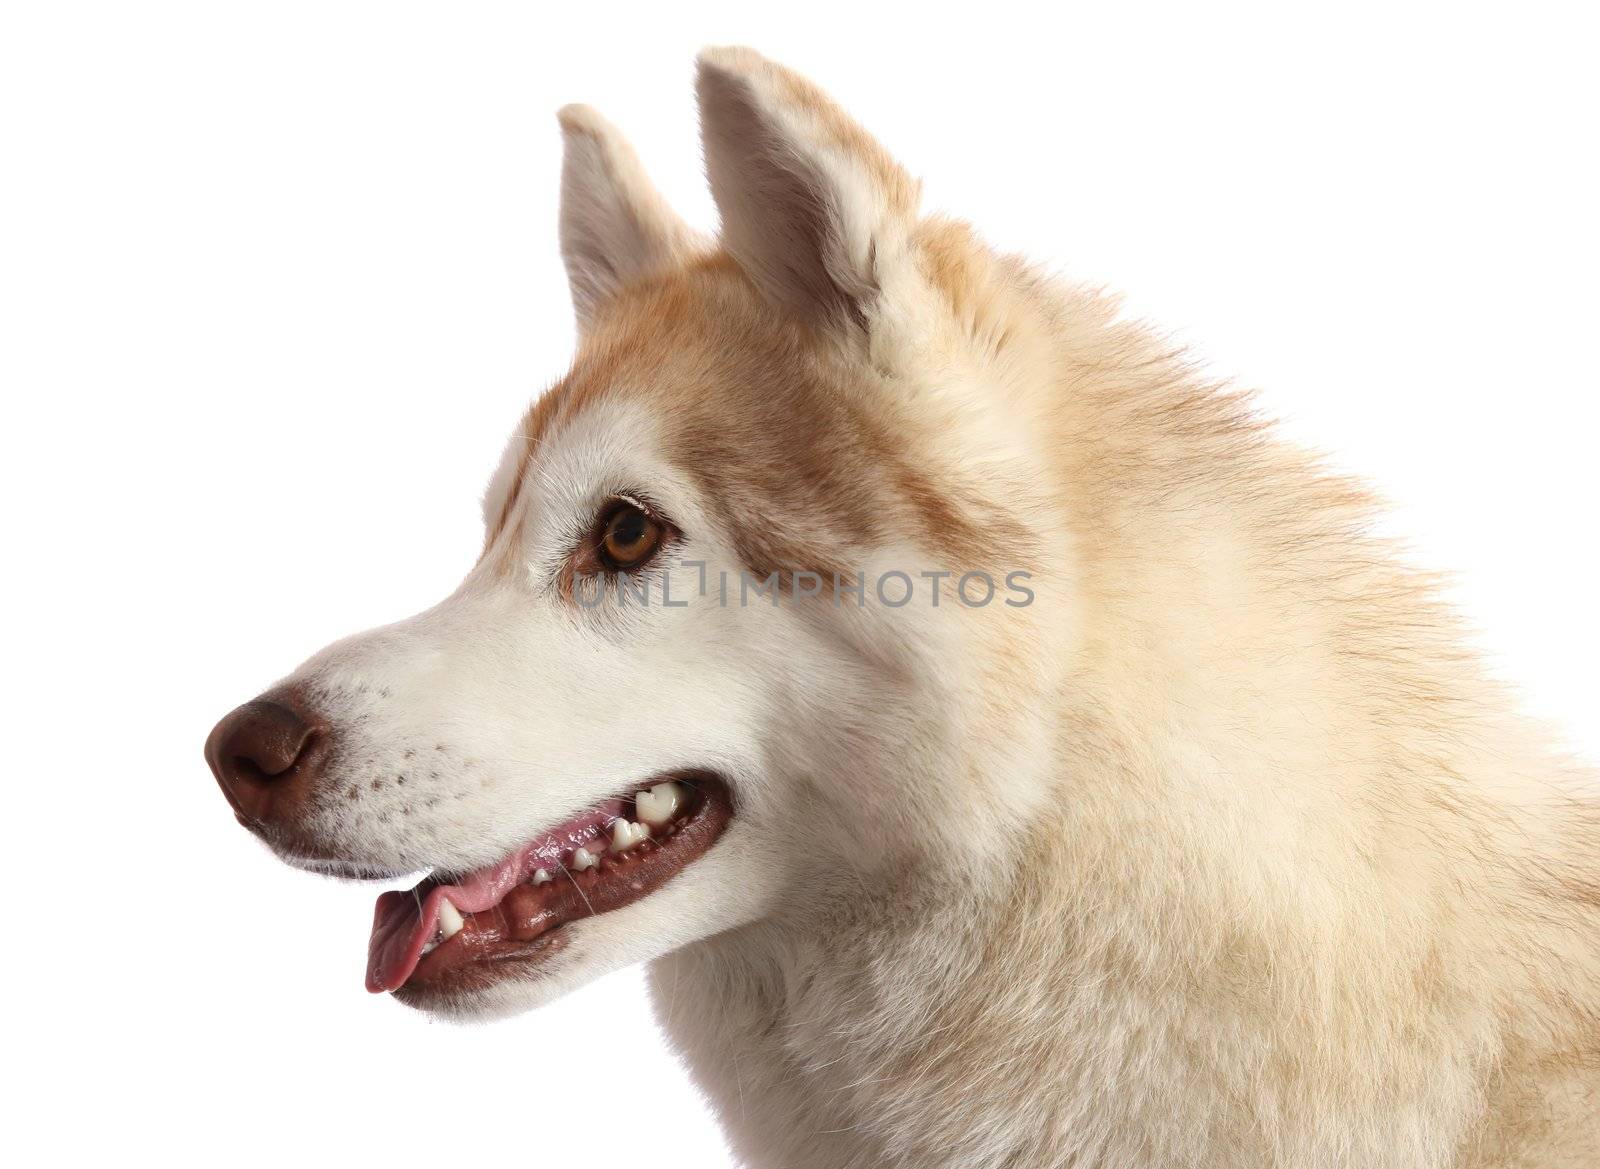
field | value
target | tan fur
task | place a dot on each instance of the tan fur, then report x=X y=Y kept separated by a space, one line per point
x=1288 y=882
x=615 y=227
x=1222 y=852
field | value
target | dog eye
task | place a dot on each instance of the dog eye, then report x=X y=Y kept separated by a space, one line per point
x=629 y=537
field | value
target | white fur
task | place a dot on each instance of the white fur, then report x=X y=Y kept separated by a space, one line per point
x=1222 y=853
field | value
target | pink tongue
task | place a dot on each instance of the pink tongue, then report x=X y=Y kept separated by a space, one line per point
x=399 y=931
x=405 y=921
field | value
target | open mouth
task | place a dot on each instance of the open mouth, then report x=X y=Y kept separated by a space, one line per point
x=467 y=931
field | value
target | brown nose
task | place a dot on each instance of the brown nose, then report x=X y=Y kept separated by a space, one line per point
x=262 y=753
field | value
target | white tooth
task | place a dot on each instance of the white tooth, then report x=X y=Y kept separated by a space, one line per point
x=624 y=835
x=657 y=805
x=540 y=876
x=450 y=920
x=584 y=859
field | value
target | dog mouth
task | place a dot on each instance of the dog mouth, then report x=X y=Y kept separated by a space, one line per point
x=467 y=931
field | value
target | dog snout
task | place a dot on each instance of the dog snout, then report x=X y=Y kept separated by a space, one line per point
x=267 y=756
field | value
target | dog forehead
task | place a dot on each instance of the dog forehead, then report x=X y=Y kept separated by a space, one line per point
x=607 y=442
x=788 y=447
x=683 y=354
x=548 y=480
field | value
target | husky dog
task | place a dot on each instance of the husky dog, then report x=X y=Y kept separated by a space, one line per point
x=1005 y=751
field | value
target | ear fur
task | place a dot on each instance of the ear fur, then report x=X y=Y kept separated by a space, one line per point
x=615 y=226
x=813 y=209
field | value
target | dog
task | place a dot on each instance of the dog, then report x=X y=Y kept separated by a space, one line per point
x=1004 y=750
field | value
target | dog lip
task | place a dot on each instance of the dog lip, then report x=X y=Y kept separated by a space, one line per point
x=299 y=851
x=292 y=851
x=340 y=870
x=508 y=920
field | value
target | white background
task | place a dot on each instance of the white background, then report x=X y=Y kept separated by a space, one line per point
x=277 y=279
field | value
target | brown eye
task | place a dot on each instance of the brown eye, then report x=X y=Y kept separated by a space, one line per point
x=629 y=537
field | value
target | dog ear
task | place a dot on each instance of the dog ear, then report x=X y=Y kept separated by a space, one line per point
x=813 y=210
x=615 y=226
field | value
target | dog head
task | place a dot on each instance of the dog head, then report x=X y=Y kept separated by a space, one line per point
x=753 y=571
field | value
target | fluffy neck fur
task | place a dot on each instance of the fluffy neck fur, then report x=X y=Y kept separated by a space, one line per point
x=1308 y=893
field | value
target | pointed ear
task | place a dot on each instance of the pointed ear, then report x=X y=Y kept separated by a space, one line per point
x=813 y=209
x=615 y=226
